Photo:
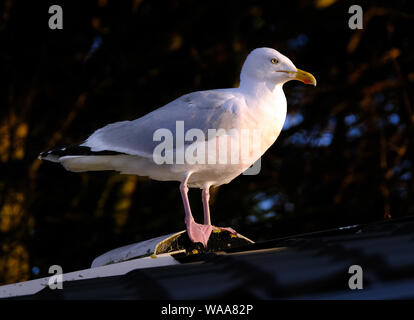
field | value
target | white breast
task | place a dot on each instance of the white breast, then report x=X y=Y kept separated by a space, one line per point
x=264 y=120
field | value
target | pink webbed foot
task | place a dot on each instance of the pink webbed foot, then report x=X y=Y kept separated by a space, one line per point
x=199 y=232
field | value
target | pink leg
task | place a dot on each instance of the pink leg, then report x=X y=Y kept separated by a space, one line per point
x=206 y=199
x=206 y=207
x=196 y=232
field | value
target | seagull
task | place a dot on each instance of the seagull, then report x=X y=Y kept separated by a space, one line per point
x=157 y=146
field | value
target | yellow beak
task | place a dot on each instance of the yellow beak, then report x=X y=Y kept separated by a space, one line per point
x=302 y=76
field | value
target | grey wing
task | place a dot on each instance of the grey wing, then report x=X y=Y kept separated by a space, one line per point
x=215 y=109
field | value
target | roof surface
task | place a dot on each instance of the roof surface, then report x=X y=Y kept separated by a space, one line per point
x=309 y=266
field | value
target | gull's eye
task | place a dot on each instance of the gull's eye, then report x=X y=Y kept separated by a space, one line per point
x=274 y=60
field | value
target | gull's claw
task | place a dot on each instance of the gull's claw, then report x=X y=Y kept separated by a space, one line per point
x=231 y=230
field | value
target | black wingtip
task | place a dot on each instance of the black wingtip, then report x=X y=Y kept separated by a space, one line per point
x=43 y=155
x=76 y=150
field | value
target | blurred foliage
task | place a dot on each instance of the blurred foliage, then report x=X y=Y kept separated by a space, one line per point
x=345 y=156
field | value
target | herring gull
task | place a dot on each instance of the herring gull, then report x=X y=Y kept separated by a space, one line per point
x=197 y=138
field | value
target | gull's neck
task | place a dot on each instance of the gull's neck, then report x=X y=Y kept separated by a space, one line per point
x=267 y=102
x=260 y=89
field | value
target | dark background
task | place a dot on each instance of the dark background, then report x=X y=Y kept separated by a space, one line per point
x=345 y=156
